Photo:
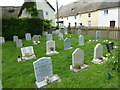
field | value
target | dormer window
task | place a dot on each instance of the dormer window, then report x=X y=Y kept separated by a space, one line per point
x=105 y=12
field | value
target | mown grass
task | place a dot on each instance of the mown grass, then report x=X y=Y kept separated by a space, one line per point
x=21 y=74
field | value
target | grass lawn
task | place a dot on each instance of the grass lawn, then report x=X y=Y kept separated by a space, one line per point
x=21 y=74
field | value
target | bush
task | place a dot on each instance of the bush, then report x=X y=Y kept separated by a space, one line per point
x=20 y=26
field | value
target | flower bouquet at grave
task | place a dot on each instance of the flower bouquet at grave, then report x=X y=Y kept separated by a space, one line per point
x=101 y=58
x=47 y=80
x=51 y=48
x=77 y=67
x=28 y=54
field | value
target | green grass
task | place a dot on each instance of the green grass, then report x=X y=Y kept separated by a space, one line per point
x=21 y=75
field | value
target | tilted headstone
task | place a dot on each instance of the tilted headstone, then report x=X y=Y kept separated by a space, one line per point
x=50 y=47
x=98 y=35
x=67 y=44
x=35 y=39
x=2 y=40
x=0 y=85
x=110 y=46
x=79 y=32
x=98 y=54
x=49 y=37
x=78 y=60
x=81 y=40
x=28 y=53
x=19 y=43
x=28 y=36
x=60 y=36
x=43 y=72
x=15 y=38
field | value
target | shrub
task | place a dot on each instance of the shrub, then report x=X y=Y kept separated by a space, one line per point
x=20 y=26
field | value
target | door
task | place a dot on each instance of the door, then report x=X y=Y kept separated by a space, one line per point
x=112 y=24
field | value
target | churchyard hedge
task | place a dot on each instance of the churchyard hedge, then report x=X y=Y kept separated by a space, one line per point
x=20 y=26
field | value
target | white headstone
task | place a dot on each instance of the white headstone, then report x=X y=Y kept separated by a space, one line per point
x=78 y=60
x=81 y=40
x=15 y=38
x=35 y=39
x=2 y=40
x=28 y=36
x=67 y=44
x=98 y=54
x=19 y=43
x=0 y=85
x=43 y=70
x=98 y=35
x=28 y=53
x=49 y=37
x=50 y=47
x=60 y=36
x=65 y=31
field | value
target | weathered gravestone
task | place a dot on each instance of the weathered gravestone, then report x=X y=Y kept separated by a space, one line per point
x=19 y=43
x=28 y=36
x=98 y=35
x=81 y=40
x=79 y=32
x=78 y=61
x=45 y=33
x=49 y=37
x=50 y=47
x=2 y=40
x=39 y=36
x=35 y=39
x=28 y=53
x=0 y=85
x=62 y=31
x=67 y=44
x=44 y=73
x=15 y=38
x=110 y=46
x=65 y=31
x=98 y=54
x=60 y=36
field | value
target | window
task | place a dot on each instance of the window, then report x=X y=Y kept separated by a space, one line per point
x=80 y=24
x=80 y=15
x=46 y=13
x=89 y=14
x=105 y=12
x=75 y=17
x=89 y=23
x=75 y=24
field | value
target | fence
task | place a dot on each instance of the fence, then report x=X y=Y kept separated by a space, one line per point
x=111 y=33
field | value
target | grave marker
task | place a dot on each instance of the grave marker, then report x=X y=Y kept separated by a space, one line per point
x=98 y=35
x=28 y=36
x=67 y=44
x=15 y=38
x=19 y=43
x=81 y=40
x=2 y=40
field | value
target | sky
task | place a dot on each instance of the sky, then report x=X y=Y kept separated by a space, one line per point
x=20 y=2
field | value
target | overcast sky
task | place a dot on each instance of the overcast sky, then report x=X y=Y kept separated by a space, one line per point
x=20 y=2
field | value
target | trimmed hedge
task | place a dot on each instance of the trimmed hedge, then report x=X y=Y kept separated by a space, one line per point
x=21 y=26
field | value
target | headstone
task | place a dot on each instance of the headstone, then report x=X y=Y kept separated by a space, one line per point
x=28 y=53
x=39 y=36
x=60 y=36
x=35 y=39
x=43 y=72
x=81 y=40
x=45 y=33
x=2 y=40
x=50 y=47
x=15 y=38
x=98 y=35
x=110 y=46
x=78 y=60
x=62 y=31
x=98 y=54
x=65 y=31
x=28 y=36
x=67 y=44
x=79 y=32
x=0 y=85
x=49 y=37
x=19 y=43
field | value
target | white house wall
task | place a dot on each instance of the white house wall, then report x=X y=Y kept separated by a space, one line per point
x=46 y=8
x=104 y=20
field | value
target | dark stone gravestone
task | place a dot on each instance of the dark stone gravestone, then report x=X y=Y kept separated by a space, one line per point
x=110 y=46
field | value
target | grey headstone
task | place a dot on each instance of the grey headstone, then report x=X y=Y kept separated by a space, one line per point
x=19 y=43
x=67 y=44
x=98 y=51
x=65 y=31
x=35 y=38
x=60 y=36
x=43 y=68
x=2 y=40
x=110 y=46
x=79 y=32
x=0 y=85
x=49 y=37
x=28 y=36
x=62 y=31
x=81 y=40
x=77 y=58
x=98 y=35
x=15 y=38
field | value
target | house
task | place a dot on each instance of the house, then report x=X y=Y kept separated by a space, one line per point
x=44 y=9
x=90 y=13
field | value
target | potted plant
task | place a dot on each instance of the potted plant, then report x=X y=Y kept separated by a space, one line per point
x=100 y=58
